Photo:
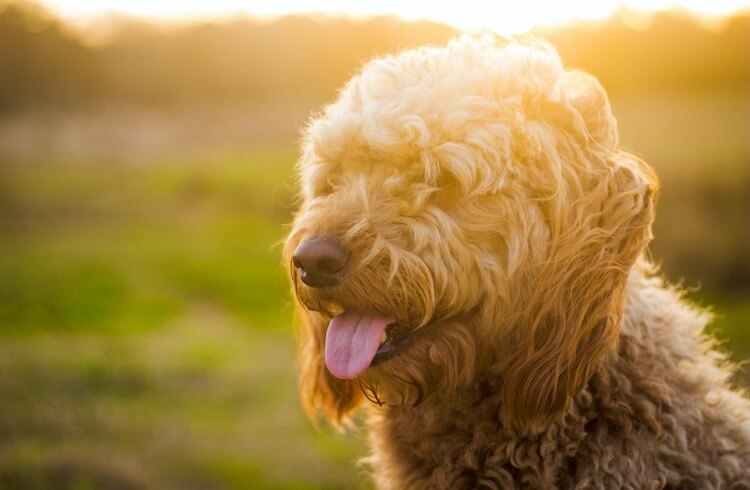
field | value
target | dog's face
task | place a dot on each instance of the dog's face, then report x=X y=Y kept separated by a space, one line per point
x=463 y=209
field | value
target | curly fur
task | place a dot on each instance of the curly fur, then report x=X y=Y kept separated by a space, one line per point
x=488 y=207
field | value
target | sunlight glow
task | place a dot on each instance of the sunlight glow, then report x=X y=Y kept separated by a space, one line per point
x=467 y=14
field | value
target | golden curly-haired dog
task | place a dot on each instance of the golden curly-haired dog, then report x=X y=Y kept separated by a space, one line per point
x=467 y=255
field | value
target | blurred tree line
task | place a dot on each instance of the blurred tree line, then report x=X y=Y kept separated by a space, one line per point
x=44 y=62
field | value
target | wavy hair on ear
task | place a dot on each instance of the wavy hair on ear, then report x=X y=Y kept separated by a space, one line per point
x=600 y=220
x=322 y=393
x=572 y=317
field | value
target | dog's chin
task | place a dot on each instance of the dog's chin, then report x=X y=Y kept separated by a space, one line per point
x=400 y=374
x=435 y=360
x=381 y=352
x=408 y=355
x=387 y=386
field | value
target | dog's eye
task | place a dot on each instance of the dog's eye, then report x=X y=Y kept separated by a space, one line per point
x=321 y=185
x=325 y=189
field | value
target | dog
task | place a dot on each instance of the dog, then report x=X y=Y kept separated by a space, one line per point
x=468 y=259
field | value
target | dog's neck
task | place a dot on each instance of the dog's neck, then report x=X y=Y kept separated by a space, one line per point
x=446 y=431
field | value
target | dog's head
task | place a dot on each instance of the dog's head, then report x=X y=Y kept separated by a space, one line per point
x=464 y=211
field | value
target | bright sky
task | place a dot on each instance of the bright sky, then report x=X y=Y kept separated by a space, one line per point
x=502 y=16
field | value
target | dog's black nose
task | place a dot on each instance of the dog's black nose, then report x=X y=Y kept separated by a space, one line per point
x=320 y=261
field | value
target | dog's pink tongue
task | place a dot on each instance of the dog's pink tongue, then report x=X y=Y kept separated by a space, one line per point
x=352 y=341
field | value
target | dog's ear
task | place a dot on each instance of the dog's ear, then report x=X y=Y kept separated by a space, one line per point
x=599 y=226
x=321 y=392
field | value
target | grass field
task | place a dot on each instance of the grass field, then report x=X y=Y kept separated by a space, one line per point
x=146 y=337
x=146 y=329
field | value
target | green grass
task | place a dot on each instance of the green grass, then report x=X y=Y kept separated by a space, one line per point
x=146 y=335
x=124 y=247
x=203 y=402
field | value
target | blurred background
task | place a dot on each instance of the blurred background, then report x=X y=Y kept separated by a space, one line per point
x=146 y=156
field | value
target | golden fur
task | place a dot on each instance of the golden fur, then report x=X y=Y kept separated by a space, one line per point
x=487 y=206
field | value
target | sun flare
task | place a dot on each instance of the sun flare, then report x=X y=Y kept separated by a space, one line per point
x=467 y=15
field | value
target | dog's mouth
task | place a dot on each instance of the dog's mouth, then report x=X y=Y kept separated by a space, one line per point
x=356 y=341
